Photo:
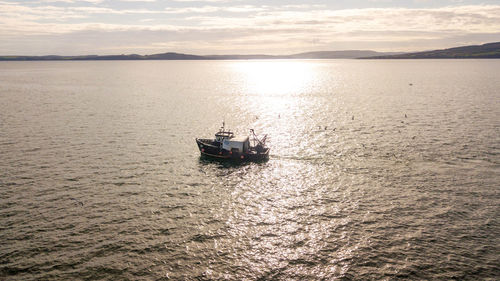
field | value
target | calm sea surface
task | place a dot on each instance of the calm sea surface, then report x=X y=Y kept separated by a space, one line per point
x=378 y=170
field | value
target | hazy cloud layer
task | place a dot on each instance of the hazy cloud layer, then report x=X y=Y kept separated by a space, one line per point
x=215 y=26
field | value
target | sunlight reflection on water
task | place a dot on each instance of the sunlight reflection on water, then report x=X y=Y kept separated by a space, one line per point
x=101 y=177
x=275 y=78
x=275 y=93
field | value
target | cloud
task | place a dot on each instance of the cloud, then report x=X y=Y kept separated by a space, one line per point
x=244 y=28
x=70 y=1
x=465 y=19
x=213 y=9
x=210 y=1
x=138 y=0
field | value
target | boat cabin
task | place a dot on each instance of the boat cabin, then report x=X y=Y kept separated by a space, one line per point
x=222 y=135
x=239 y=144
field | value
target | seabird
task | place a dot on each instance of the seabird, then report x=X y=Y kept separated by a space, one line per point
x=77 y=201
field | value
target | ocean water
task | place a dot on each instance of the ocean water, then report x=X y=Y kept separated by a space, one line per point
x=378 y=170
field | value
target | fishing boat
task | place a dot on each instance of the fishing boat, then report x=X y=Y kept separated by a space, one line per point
x=226 y=146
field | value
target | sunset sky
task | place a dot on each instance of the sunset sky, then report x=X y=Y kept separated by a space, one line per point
x=203 y=27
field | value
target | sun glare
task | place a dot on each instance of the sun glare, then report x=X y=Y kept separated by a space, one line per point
x=276 y=92
x=276 y=78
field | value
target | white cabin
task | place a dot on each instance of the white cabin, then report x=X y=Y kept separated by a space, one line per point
x=236 y=144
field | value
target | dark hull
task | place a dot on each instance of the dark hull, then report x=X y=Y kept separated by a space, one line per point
x=210 y=148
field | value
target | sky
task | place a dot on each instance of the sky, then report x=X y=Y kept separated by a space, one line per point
x=205 y=27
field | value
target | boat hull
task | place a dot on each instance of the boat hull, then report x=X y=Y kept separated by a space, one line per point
x=212 y=149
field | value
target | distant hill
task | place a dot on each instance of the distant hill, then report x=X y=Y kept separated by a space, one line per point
x=243 y=57
x=485 y=51
x=490 y=50
x=177 y=56
x=165 y=56
x=351 y=54
x=173 y=56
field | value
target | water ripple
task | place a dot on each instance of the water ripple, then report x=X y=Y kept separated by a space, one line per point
x=100 y=176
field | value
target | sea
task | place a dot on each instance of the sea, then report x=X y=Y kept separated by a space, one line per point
x=378 y=170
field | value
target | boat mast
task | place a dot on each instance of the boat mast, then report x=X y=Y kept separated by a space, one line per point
x=256 y=139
